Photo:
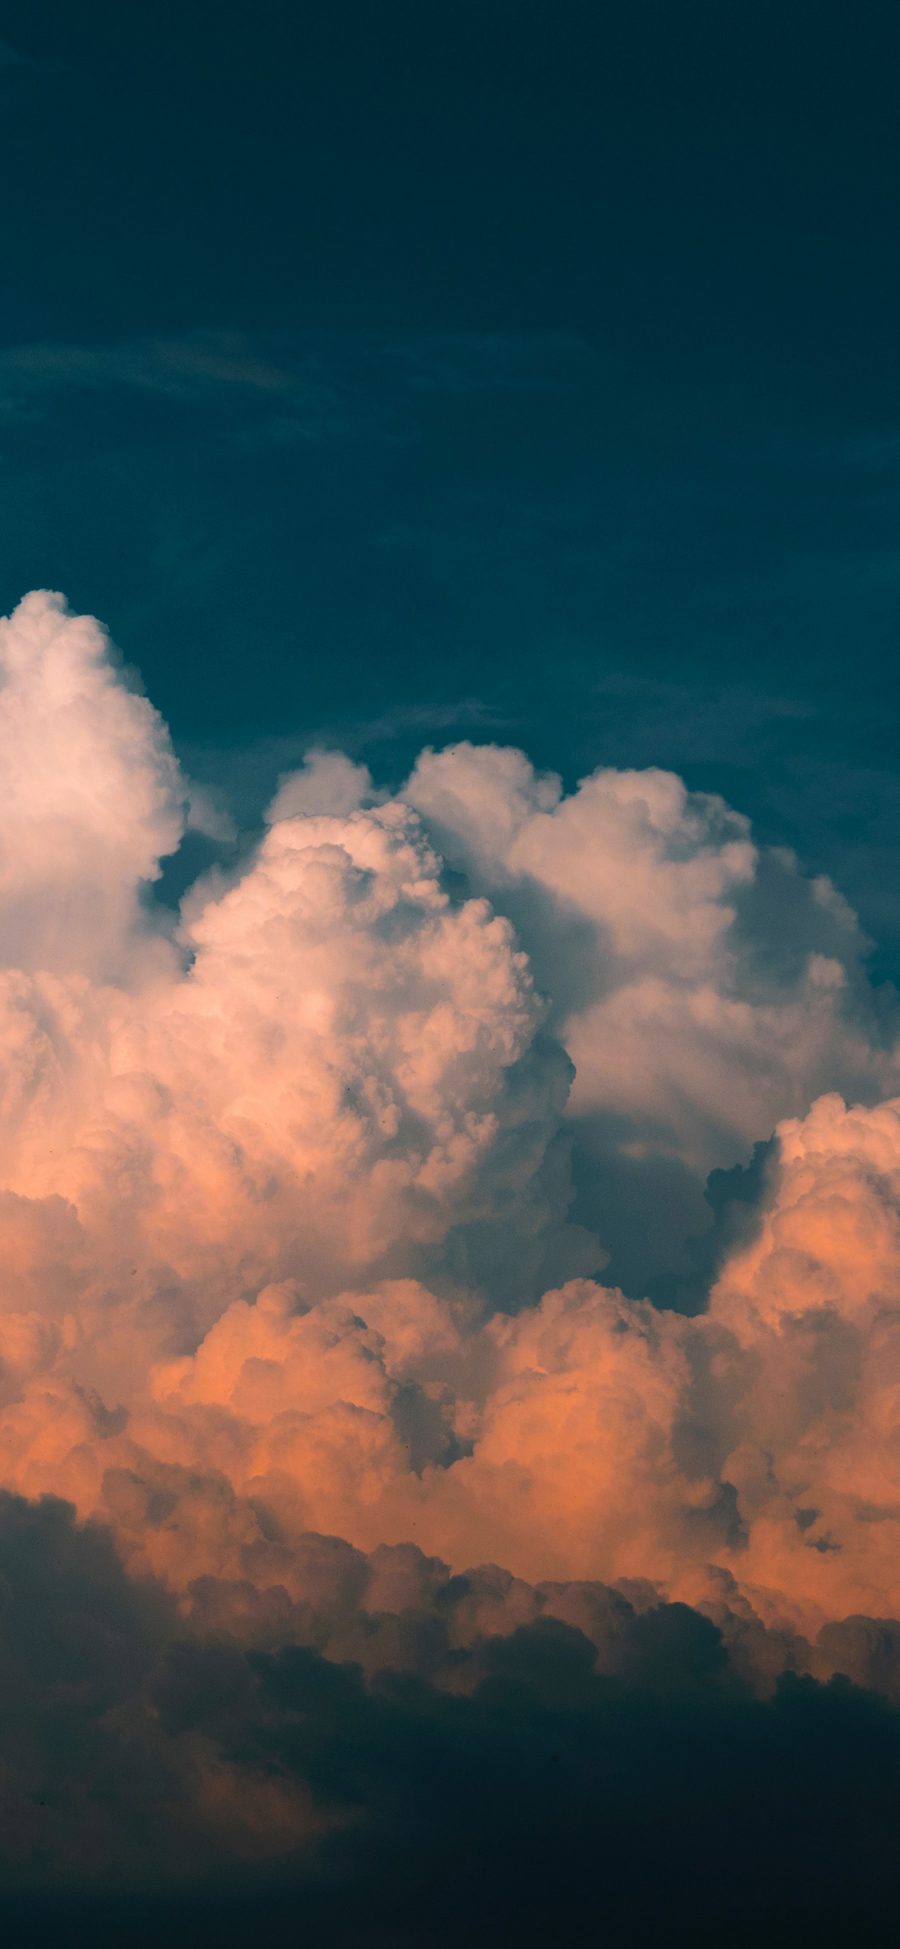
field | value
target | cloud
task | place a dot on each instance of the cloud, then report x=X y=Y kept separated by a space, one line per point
x=748 y=1450
x=92 y=796
x=327 y=782
x=400 y=1747
x=286 y=1198
x=683 y=1024
x=703 y=986
x=298 y=1315
x=267 y=389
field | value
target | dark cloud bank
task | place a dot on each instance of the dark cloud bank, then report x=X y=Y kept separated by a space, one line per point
x=614 y=1769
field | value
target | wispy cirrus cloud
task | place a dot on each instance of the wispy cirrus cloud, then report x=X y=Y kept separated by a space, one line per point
x=282 y=386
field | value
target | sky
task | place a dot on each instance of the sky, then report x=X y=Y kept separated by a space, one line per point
x=449 y=948
x=382 y=372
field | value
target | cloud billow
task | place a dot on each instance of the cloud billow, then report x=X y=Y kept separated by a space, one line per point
x=301 y=1316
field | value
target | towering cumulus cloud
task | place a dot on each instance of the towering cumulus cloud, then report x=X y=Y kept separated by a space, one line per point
x=302 y=1299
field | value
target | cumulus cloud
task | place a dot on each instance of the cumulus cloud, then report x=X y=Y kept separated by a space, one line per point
x=689 y=1030
x=296 y=1306
x=92 y=797
x=749 y=1450
x=703 y=986
x=326 y=782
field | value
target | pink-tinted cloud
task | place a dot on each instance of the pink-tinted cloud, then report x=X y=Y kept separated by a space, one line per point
x=276 y=1185
x=92 y=797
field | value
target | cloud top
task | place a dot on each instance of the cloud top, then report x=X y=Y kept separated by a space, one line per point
x=92 y=796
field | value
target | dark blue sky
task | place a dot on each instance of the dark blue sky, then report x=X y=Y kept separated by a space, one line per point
x=394 y=372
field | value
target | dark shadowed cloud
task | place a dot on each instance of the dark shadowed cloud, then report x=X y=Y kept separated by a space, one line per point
x=347 y=1774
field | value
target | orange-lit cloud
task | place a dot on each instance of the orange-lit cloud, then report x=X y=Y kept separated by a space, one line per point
x=277 y=1183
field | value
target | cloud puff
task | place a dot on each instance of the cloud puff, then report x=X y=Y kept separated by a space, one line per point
x=327 y=782
x=703 y=987
x=281 y=1191
x=748 y=1450
x=92 y=798
x=298 y=1314
x=338 y=1072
